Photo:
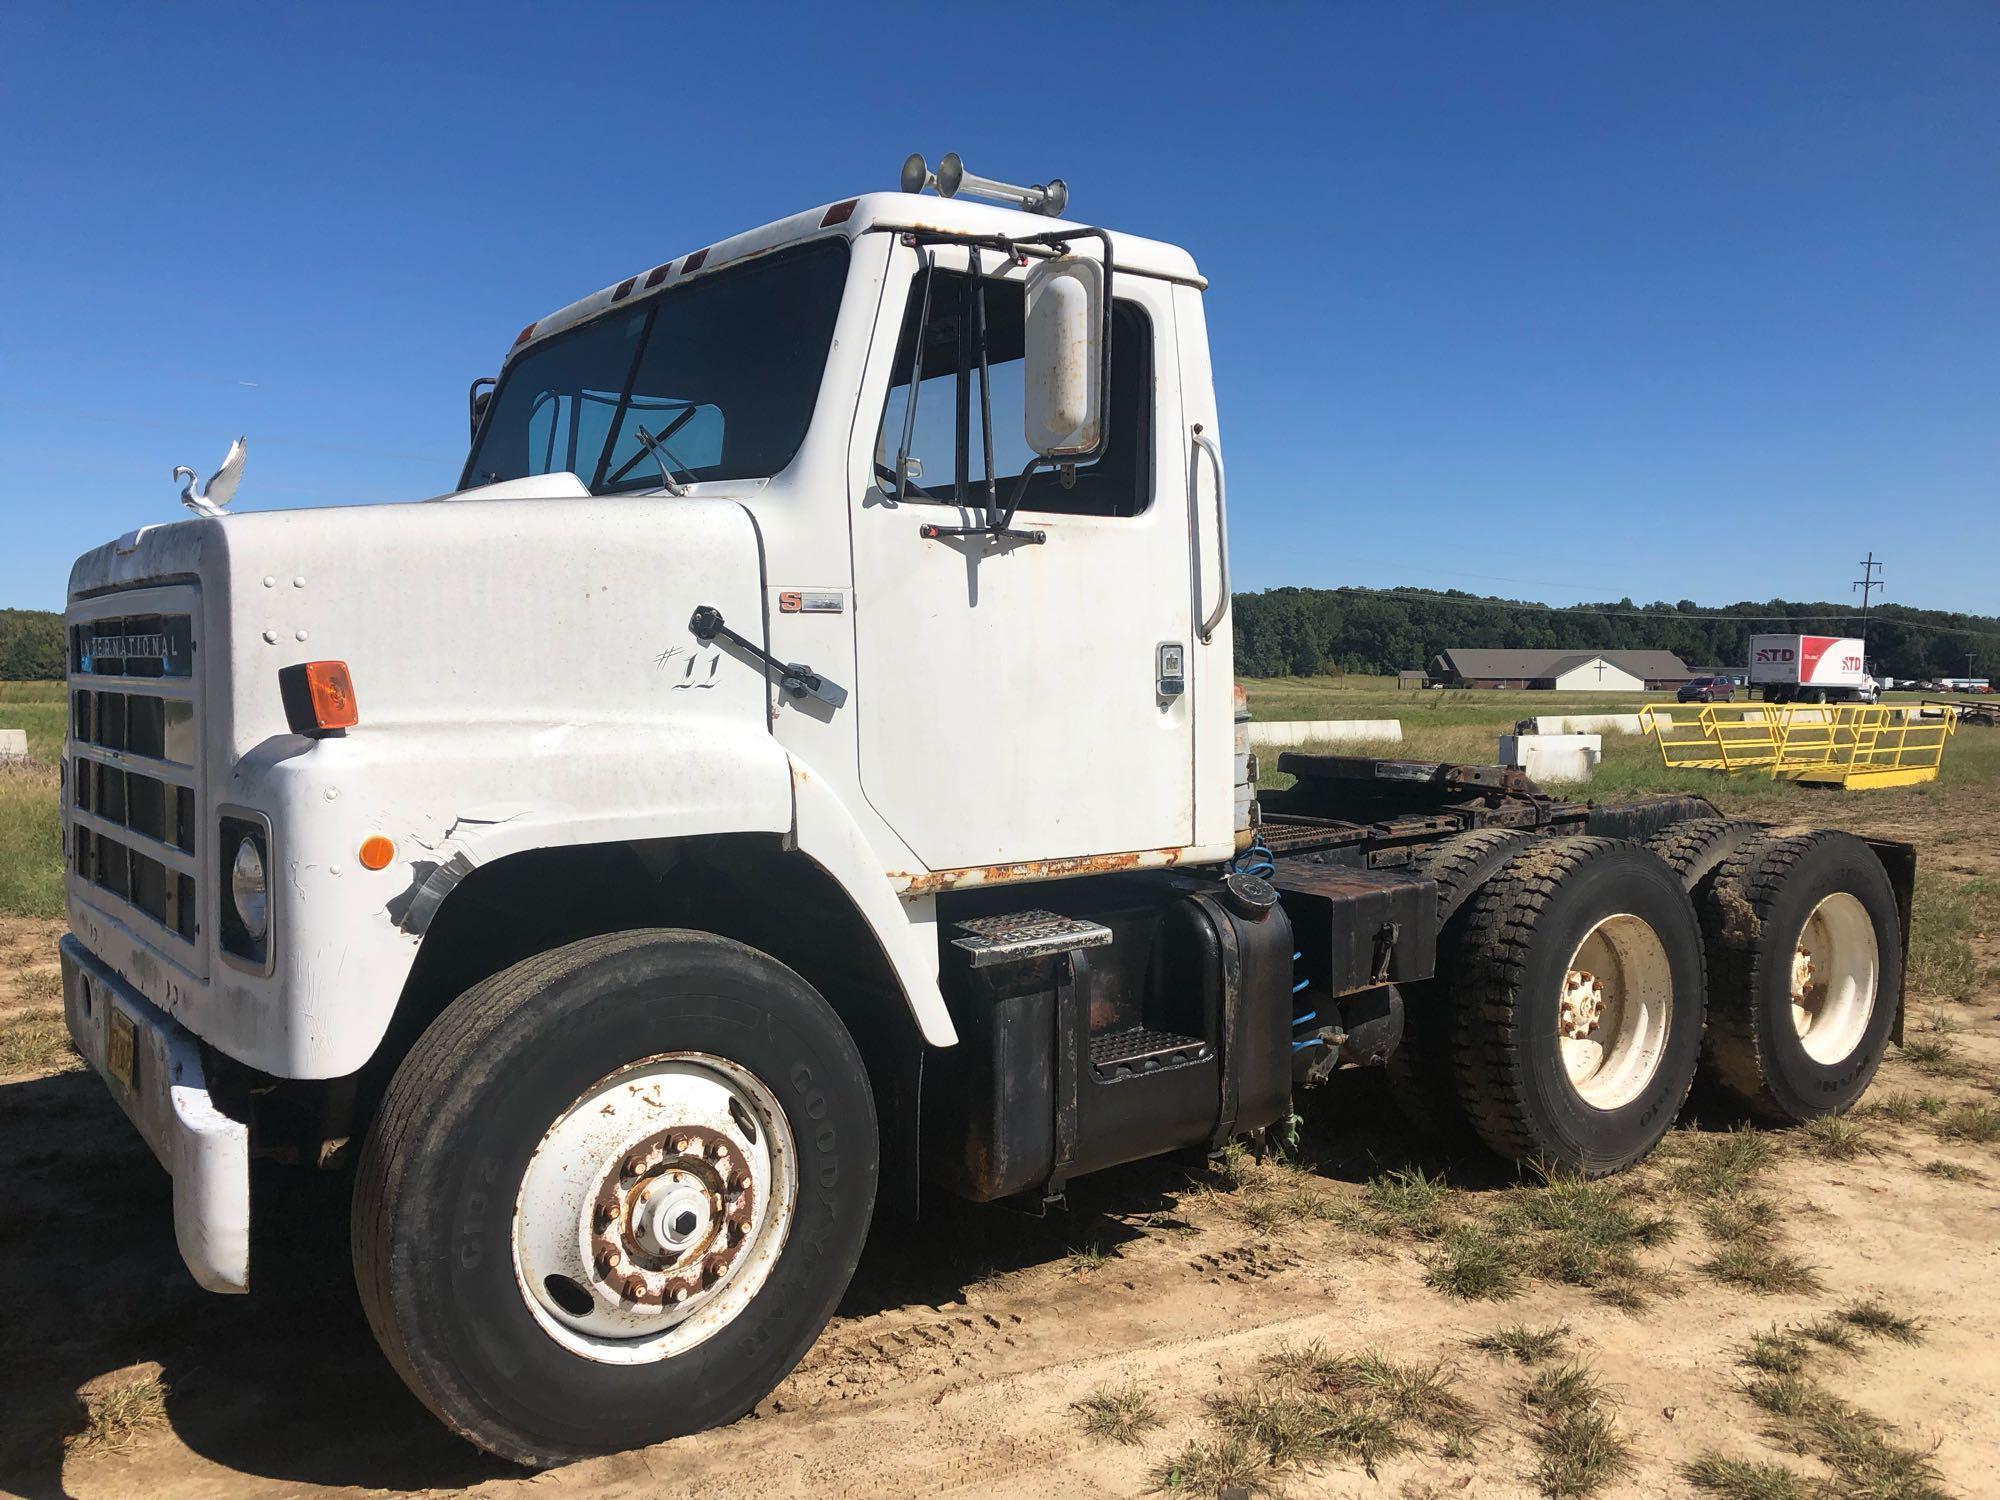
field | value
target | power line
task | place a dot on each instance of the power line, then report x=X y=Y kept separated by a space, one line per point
x=1867 y=583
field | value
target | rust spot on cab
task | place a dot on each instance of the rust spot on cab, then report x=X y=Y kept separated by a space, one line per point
x=929 y=882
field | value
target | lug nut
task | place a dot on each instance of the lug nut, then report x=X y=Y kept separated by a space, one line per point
x=635 y=1286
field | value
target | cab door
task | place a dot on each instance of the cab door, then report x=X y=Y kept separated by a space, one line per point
x=1011 y=703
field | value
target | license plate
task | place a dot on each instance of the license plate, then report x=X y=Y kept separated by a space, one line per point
x=120 y=1057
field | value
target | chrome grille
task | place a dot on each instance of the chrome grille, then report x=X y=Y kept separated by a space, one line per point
x=131 y=804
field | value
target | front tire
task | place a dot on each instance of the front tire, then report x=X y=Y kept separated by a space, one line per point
x=614 y=1193
x=1580 y=1004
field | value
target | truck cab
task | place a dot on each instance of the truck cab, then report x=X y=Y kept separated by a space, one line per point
x=796 y=770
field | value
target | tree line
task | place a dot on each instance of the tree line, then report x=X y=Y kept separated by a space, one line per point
x=1305 y=632
x=31 y=645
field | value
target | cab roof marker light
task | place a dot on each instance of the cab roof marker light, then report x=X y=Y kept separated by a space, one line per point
x=524 y=335
x=657 y=275
x=693 y=262
x=840 y=213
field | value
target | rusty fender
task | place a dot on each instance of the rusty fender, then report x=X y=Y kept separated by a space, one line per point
x=930 y=882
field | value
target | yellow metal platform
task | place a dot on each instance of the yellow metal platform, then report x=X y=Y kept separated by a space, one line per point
x=1853 y=745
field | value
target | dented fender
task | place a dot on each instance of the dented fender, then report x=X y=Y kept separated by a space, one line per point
x=344 y=938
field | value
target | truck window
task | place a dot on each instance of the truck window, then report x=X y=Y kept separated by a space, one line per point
x=1117 y=484
x=724 y=369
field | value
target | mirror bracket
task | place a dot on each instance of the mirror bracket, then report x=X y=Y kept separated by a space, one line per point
x=478 y=400
x=1020 y=249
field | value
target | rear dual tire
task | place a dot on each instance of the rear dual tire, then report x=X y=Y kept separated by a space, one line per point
x=1578 y=1004
x=1485 y=1062
x=1694 y=848
x=1419 y=1072
x=1805 y=964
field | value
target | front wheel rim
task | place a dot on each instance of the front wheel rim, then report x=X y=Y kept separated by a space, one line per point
x=654 y=1208
x=1836 y=971
x=1611 y=1023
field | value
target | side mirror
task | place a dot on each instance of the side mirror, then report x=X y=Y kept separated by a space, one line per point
x=478 y=397
x=1062 y=411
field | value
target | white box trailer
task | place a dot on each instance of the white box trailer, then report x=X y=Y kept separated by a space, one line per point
x=1810 y=669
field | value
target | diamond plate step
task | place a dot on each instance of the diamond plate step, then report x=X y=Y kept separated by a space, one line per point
x=1016 y=935
x=1122 y=1054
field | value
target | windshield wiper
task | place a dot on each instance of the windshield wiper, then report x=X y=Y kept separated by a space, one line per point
x=652 y=446
x=663 y=456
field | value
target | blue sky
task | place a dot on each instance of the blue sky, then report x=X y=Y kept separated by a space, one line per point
x=1557 y=300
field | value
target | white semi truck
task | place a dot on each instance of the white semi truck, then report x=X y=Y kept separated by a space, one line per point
x=1811 y=669
x=796 y=766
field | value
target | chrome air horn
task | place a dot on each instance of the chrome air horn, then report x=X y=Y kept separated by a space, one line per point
x=951 y=179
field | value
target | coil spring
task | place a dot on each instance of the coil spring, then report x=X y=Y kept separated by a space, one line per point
x=1300 y=1018
x=1257 y=860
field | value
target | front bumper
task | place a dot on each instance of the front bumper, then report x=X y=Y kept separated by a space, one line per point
x=166 y=1097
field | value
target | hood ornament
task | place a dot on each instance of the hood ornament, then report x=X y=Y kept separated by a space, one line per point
x=214 y=498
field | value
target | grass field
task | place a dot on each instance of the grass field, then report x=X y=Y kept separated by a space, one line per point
x=1466 y=725
x=30 y=833
x=1436 y=708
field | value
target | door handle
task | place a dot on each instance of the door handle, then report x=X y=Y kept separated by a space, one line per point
x=1203 y=443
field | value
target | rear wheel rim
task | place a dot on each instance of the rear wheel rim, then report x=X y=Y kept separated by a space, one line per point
x=1611 y=1022
x=1836 y=971
x=654 y=1208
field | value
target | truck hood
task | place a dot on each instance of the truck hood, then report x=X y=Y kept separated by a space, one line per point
x=534 y=487
x=501 y=610
x=569 y=487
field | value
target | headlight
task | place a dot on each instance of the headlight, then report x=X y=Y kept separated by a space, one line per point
x=247 y=889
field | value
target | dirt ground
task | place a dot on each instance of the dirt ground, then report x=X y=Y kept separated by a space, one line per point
x=958 y=1358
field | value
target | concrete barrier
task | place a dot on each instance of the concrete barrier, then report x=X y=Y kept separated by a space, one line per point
x=13 y=744
x=1583 y=724
x=1553 y=757
x=1284 y=733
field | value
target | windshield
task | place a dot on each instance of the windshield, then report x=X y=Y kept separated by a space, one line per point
x=723 y=370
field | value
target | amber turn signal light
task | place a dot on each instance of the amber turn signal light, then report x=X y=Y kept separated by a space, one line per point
x=319 y=697
x=376 y=852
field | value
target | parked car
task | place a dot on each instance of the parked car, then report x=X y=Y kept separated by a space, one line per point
x=1707 y=690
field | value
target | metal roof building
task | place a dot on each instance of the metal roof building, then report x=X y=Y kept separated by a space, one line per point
x=1560 y=671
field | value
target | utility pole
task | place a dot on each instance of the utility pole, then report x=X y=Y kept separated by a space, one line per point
x=1867 y=583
